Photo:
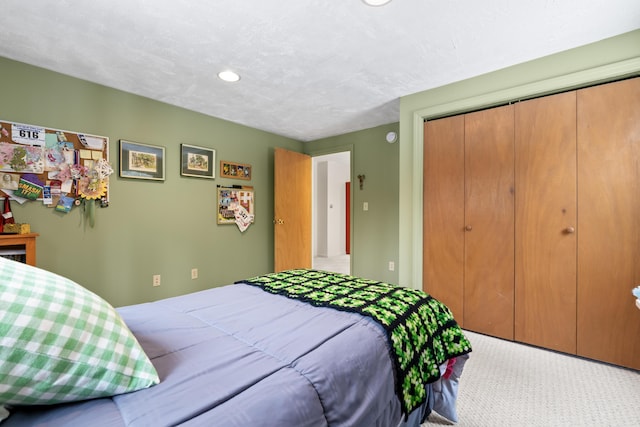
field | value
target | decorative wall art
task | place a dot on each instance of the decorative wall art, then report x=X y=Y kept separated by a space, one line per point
x=141 y=161
x=235 y=170
x=197 y=161
x=236 y=206
x=61 y=168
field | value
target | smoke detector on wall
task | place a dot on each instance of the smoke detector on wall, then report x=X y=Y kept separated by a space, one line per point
x=391 y=137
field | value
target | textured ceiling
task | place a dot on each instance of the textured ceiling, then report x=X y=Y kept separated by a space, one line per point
x=310 y=68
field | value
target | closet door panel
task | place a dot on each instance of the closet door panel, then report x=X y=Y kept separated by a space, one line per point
x=443 y=212
x=546 y=229
x=489 y=222
x=609 y=222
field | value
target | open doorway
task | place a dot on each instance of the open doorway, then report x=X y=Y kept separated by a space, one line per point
x=331 y=212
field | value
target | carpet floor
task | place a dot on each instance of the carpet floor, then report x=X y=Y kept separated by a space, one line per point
x=511 y=384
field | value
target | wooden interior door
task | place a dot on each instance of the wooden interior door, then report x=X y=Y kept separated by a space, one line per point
x=609 y=222
x=545 y=142
x=292 y=210
x=489 y=222
x=443 y=212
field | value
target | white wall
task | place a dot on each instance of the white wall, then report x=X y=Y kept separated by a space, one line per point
x=330 y=173
x=320 y=210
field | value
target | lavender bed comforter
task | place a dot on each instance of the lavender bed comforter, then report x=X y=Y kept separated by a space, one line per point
x=238 y=356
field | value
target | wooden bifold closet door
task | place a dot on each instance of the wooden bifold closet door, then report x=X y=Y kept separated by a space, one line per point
x=489 y=222
x=609 y=222
x=468 y=218
x=546 y=218
x=443 y=212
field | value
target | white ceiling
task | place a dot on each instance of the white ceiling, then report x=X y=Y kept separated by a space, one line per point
x=310 y=68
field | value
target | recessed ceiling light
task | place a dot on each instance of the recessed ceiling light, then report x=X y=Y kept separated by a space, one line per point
x=229 y=76
x=376 y=2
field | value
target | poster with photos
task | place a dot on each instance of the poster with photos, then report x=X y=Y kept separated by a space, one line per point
x=236 y=206
x=41 y=163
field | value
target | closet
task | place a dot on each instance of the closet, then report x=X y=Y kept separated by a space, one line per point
x=532 y=220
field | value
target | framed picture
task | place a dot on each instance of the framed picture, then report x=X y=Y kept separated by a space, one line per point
x=235 y=170
x=197 y=161
x=233 y=200
x=141 y=161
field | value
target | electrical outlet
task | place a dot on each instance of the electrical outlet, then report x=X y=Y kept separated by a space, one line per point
x=156 y=280
x=392 y=266
x=194 y=273
x=365 y=206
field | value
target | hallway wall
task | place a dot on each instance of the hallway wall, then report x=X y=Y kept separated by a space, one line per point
x=331 y=172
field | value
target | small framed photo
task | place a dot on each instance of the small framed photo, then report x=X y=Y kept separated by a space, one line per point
x=197 y=161
x=141 y=161
x=235 y=170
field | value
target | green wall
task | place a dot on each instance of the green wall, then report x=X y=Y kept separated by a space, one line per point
x=150 y=227
x=608 y=59
x=374 y=241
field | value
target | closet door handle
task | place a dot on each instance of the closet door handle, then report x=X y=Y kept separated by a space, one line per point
x=569 y=230
x=468 y=228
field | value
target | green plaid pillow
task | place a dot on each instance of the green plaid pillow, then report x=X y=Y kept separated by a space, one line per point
x=60 y=342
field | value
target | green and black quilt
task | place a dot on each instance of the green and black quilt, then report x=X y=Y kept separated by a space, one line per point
x=421 y=331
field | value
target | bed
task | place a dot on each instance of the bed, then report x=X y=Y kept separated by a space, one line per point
x=266 y=351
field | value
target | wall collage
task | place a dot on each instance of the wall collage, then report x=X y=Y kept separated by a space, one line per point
x=65 y=169
x=62 y=169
